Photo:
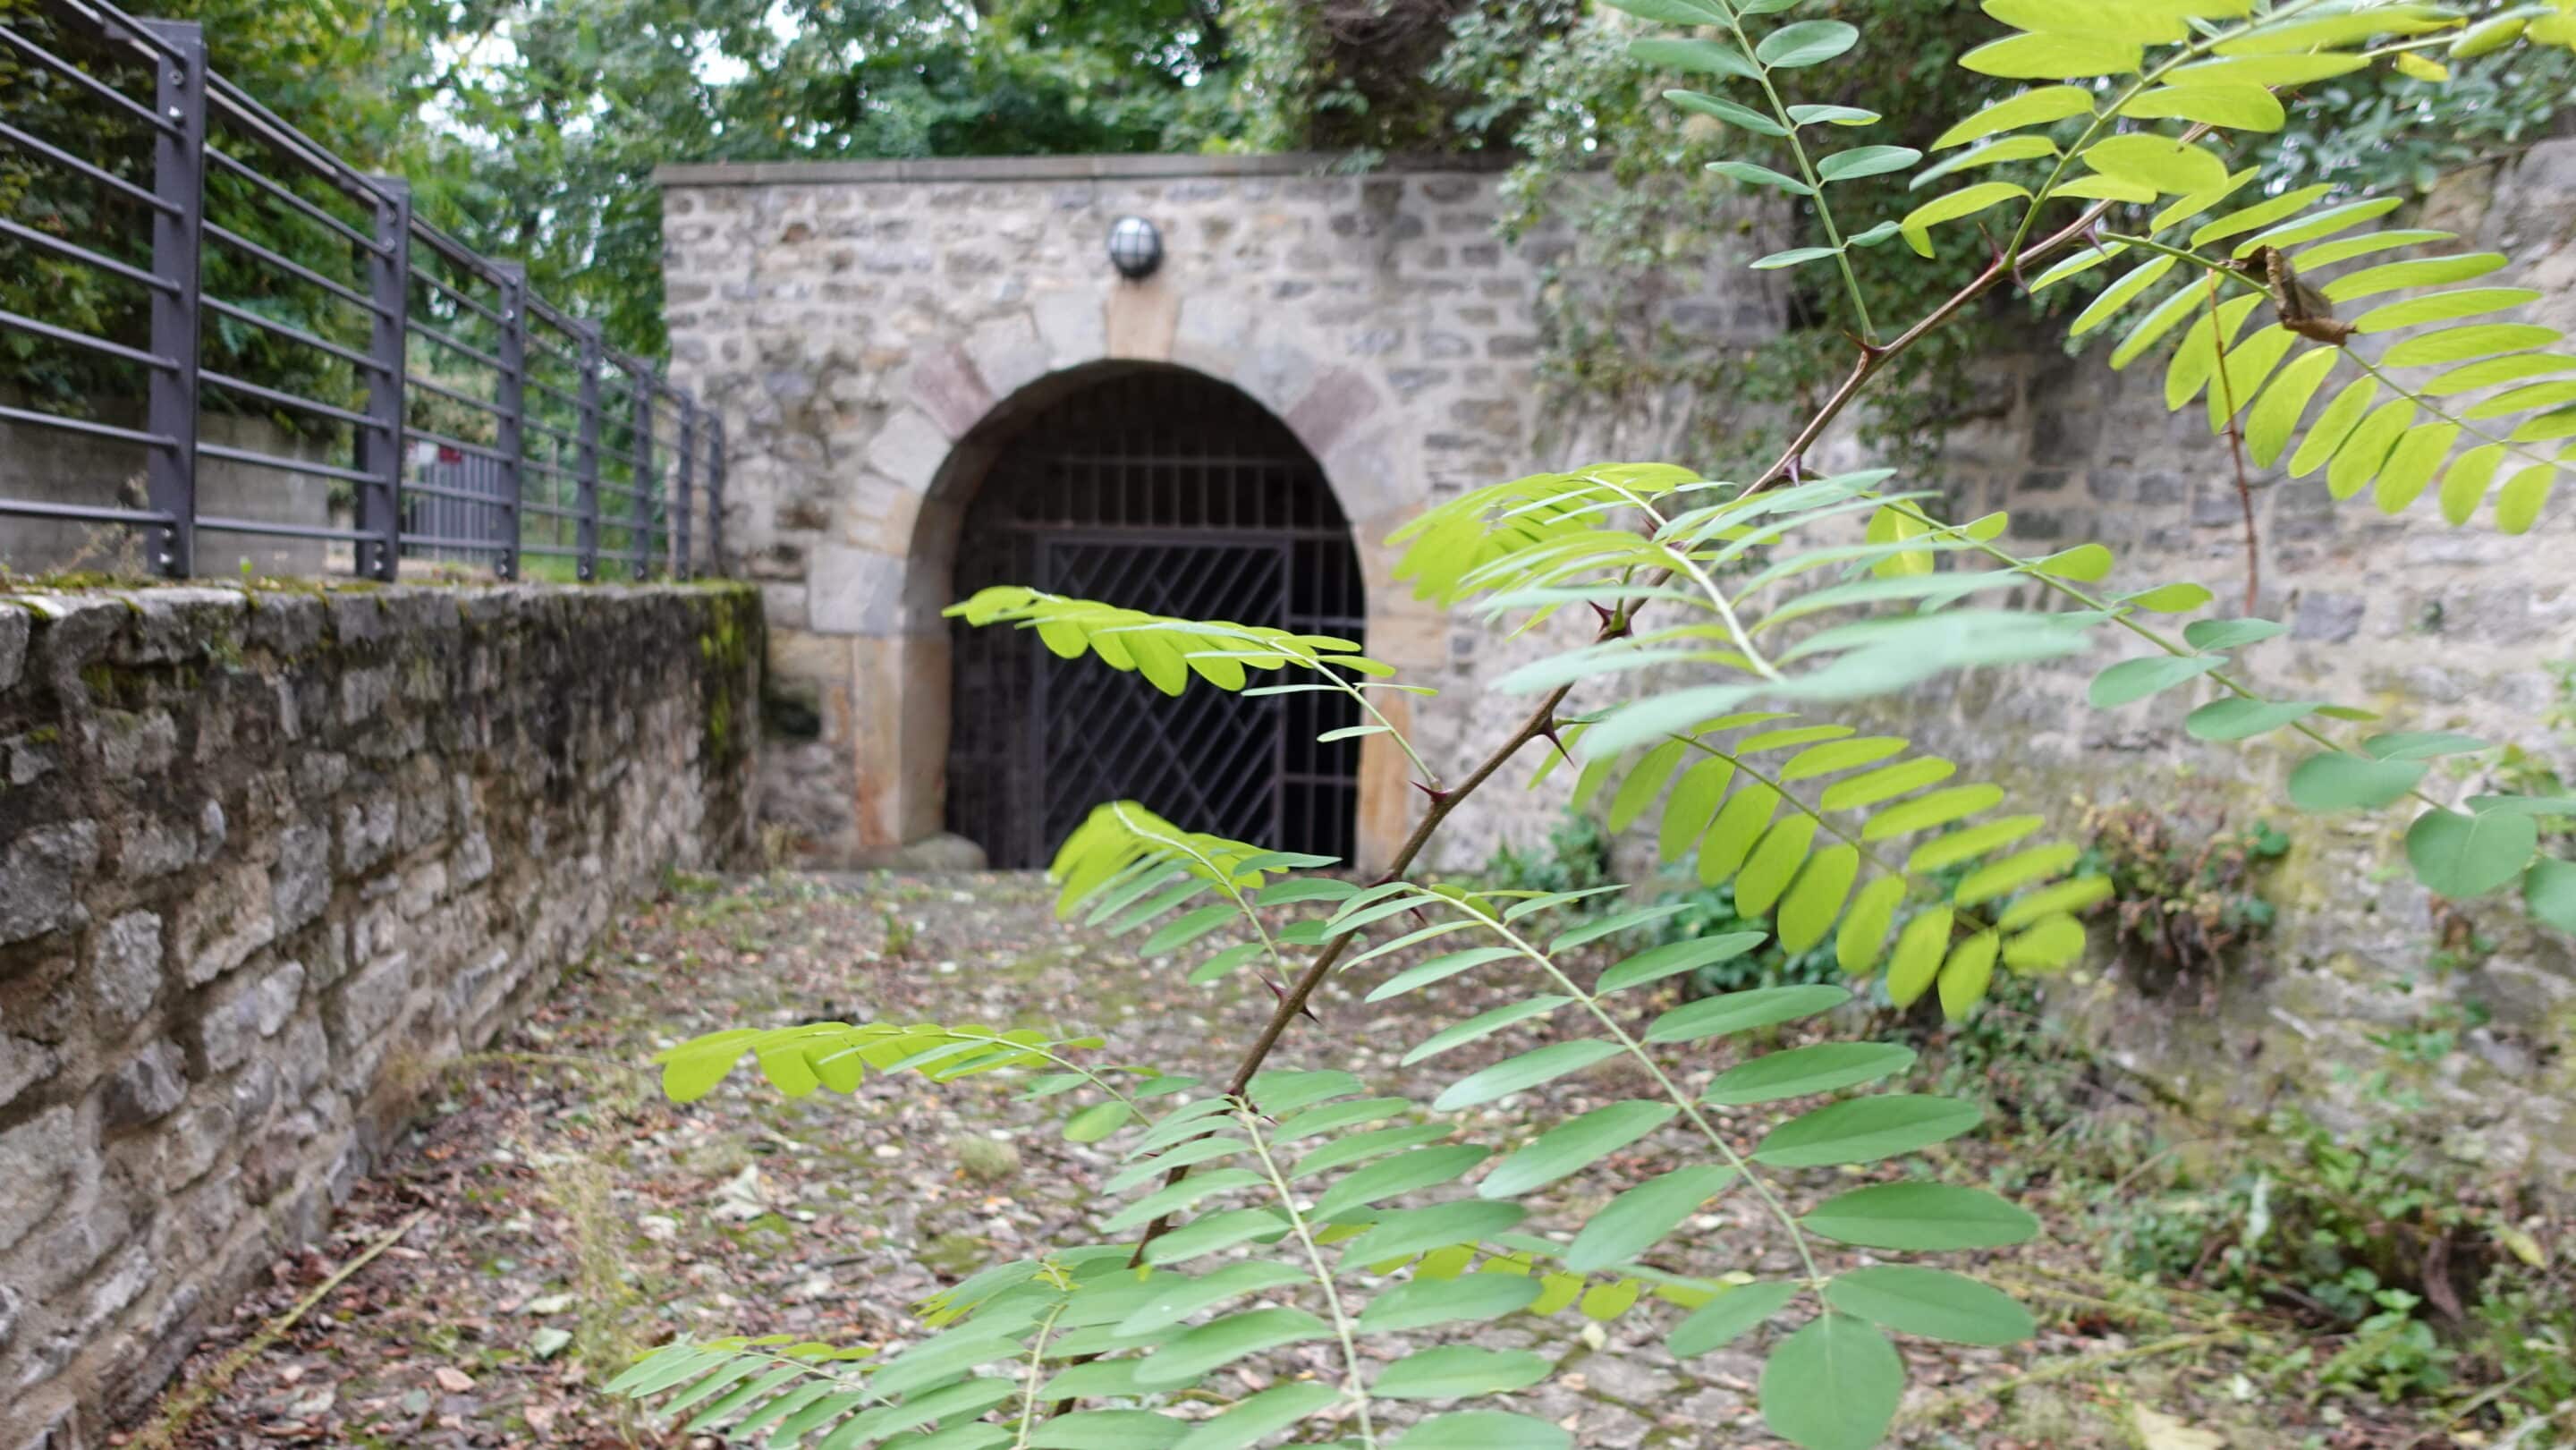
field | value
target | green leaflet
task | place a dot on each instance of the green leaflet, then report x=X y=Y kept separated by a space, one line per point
x=1966 y=201
x=2463 y=856
x=1864 y=1130
x=1922 y=1217
x=1487 y=1023
x=1107 y=1430
x=1484 y=1430
x=1734 y=1012
x=1455 y=1371
x=1932 y=1303
x=1729 y=1317
x=2130 y=681
x=2030 y=108
x=1517 y=1074
x=1260 y=1416
x=1673 y=958
x=1420 y=1303
x=1405 y=1232
x=2339 y=782
x=1214 y=1345
x=1401 y=1174
x=1864 y=928
x=1183 y=1297
x=2333 y=426
x=1802 y=1071
x=1833 y=1385
x=2275 y=411
x=1573 y=1145
x=2052 y=57
x=1639 y=1218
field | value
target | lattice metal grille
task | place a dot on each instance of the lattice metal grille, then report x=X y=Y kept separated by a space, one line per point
x=1164 y=491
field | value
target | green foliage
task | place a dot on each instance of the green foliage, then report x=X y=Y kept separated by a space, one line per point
x=1257 y=1214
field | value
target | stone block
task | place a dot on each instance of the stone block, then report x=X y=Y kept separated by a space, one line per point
x=40 y=1160
x=855 y=591
x=909 y=449
x=1009 y=354
x=229 y=918
x=148 y=1086
x=944 y=382
x=366 y=834
x=300 y=882
x=14 y=631
x=24 y=1062
x=369 y=1001
x=40 y=878
x=1072 y=323
x=125 y=966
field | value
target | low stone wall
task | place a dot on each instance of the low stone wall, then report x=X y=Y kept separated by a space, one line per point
x=263 y=855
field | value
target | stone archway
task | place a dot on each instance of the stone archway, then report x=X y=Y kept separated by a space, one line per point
x=927 y=464
x=1157 y=488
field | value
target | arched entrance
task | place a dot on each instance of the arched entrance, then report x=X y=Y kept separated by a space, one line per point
x=1159 y=489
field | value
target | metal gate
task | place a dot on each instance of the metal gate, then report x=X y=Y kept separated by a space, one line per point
x=1168 y=492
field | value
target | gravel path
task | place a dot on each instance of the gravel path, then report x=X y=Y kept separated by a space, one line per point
x=564 y=1216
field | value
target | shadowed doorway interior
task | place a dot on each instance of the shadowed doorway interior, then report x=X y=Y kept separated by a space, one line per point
x=1162 y=490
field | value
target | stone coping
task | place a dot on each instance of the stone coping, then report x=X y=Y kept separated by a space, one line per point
x=1142 y=167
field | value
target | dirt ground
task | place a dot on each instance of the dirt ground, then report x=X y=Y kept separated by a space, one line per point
x=557 y=1216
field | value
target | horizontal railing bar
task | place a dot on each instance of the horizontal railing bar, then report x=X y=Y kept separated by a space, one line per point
x=291 y=333
x=33 y=328
x=461 y=495
x=80 y=513
x=550 y=511
x=110 y=19
x=85 y=256
x=93 y=84
x=284 y=465
x=223 y=525
x=298 y=270
x=278 y=132
x=491 y=315
x=449 y=340
x=533 y=466
x=454 y=396
x=441 y=541
x=243 y=170
x=94 y=172
x=478 y=450
x=552 y=551
x=84 y=426
x=456 y=251
x=249 y=389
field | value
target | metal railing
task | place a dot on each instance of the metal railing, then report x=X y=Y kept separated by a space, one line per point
x=218 y=260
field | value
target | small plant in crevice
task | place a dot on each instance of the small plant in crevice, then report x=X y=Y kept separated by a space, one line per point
x=2185 y=900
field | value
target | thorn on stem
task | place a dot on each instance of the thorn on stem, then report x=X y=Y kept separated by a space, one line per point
x=1547 y=732
x=1435 y=792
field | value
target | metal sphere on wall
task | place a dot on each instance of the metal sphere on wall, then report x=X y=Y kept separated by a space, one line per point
x=1135 y=248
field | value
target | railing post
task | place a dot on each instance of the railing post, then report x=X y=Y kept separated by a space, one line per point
x=688 y=483
x=510 y=398
x=178 y=179
x=586 y=455
x=380 y=443
x=715 y=493
x=647 y=478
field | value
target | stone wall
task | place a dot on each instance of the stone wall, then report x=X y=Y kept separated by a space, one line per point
x=262 y=856
x=2442 y=628
x=863 y=327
